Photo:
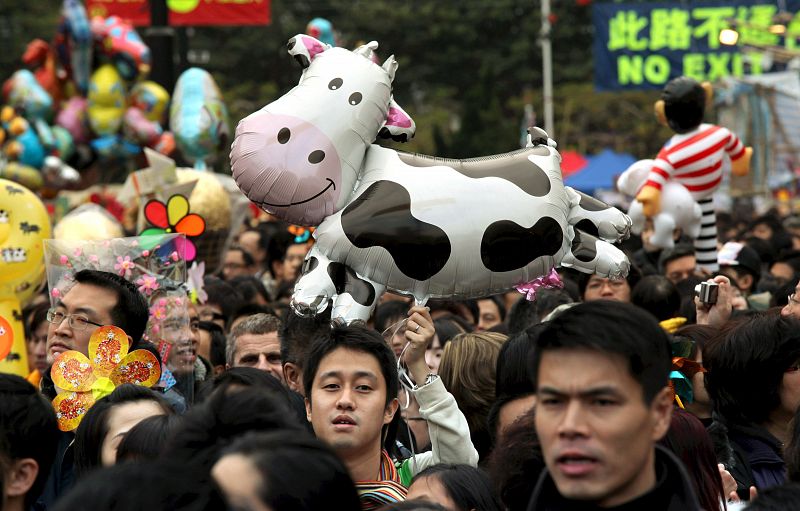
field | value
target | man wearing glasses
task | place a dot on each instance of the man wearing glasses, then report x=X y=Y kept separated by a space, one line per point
x=792 y=307
x=98 y=298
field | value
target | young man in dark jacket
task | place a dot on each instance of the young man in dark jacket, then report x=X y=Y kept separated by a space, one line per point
x=601 y=371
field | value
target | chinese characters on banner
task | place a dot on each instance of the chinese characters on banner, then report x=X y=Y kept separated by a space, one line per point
x=643 y=46
x=187 y=12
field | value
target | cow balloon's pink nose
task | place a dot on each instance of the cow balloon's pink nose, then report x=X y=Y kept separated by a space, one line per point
x=287 y=166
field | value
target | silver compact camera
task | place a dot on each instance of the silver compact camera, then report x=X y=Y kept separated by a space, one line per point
x=707 y=292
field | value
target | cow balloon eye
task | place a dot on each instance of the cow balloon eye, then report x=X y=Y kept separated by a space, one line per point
x=316 y=156
x=283 y=135
x=335 y=84
x=355 y=98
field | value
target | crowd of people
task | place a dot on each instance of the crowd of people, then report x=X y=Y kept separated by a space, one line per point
x=603 y=394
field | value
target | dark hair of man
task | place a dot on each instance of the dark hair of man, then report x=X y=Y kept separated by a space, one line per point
x=289 y=480
x=359 y=339
x=297 y=334
x=657 y=295
x=388 y=313
x=250 y=309
x=225 y=415
x=218 y=341
x=688 y=440
x=746 y=362
x=776 y=498
x=516 y=462
x=279 y=241
x=676 y=252
x=792 y=452
x=525 y=313
x=28 y=429
x=468 y=487
x=634 y=275
x=512 y=374
x=34 y=316
x=457 y=307
x=144 y=485
x=94 y=427
x=222 y=294
x=147 y=439
x=247 y=257
x=449 y=326
x=130 y=313
x=699 y=334
x=500 y=303
x=249 y=287
x=413 y=505
x=614 y=328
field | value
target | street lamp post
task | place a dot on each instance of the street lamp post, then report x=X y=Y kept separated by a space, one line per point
x=547 y=68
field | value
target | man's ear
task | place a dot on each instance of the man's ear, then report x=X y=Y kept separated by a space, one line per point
x=308 y=409
x=658 y=107
x=391 y=408
x=661 y=410
x=293 y=378
x=21 y=476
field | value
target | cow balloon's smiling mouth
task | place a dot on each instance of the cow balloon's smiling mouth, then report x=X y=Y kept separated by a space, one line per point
x=330 y=183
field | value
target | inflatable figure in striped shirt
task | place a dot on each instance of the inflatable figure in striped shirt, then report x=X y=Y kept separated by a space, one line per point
x=693 y=157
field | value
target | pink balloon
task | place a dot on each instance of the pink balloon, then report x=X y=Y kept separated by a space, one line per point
x=72 y=117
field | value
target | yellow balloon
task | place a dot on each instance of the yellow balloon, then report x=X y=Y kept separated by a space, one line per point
x=13 y=351
x=106 y=100
x=24 y=224
x=151 y=98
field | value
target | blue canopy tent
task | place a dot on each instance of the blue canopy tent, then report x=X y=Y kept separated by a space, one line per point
x=600 y=172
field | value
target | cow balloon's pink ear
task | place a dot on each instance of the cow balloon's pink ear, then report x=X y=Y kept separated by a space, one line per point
x=304 y=48
x=399 y=126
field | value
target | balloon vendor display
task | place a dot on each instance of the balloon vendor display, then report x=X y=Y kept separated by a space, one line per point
x=692 y=158
x=157 y=267
x=80 y=380
x=24 y=224
x=418 y=225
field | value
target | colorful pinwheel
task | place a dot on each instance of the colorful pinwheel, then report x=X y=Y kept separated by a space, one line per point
x=174 y=217
x=81 y=381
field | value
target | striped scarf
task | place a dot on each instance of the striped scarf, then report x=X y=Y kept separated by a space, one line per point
x=388 y=489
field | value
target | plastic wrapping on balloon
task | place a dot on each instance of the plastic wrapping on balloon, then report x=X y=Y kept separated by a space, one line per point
x=198 y=117
x=24 y=93
x=74 y=43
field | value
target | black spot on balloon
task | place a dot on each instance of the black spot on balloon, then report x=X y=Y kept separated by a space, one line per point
x=507 y=246
x=302 y=60
x=583 y=247
x=345 y=280
x=589 y=203
x=381 y=217
x=355 y=98
x=588 y=227
x=316 y=156
x=335 y=84
x=387 y=134
x=284 y=135
x=291 y=43
x=309 y=265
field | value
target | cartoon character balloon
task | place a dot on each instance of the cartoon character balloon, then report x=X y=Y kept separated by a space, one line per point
x=693 y=157
x=679 y=210
x=24 y=224
x=198 y=117
x=419 y=225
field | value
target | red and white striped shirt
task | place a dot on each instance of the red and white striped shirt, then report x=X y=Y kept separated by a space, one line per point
x=694 y=159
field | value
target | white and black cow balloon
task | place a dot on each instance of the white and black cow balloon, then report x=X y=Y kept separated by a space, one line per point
x=414 y=224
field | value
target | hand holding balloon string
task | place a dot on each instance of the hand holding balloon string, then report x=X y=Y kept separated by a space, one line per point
x=419 y=334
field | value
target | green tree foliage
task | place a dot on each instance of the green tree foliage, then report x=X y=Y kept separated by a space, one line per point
x=464 y=68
